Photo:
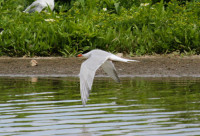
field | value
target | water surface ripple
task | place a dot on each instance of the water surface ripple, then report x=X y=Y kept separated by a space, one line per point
x=137 y=106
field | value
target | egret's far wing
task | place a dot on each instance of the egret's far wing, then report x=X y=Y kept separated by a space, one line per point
x=87 y=73
x=109 y=68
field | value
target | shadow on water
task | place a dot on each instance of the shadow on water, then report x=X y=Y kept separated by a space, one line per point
x=137 y=106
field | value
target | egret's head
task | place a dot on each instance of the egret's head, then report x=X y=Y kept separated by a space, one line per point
x=86 y=55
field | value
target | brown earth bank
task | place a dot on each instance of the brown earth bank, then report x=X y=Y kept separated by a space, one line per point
x=149 y=66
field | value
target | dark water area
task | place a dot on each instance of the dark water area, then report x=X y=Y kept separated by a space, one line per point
x=138 y=106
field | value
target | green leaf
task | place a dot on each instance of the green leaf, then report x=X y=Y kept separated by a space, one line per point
x=177 y=40
x=117 y=7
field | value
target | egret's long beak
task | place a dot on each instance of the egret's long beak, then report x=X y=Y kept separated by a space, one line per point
x=79 y=55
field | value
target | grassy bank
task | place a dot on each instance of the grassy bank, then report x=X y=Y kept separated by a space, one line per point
x=83 y=25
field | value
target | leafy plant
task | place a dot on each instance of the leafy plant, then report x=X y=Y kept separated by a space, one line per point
x=133 y=27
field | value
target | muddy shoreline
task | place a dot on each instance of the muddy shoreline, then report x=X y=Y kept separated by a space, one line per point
x=149 y=66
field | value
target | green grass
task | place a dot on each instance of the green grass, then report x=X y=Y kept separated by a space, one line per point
x=83 y=25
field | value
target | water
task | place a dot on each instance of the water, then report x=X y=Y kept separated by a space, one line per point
x=137 y=106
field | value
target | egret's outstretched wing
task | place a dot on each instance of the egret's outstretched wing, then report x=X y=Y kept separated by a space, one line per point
x=87 y=73
x=109 y=68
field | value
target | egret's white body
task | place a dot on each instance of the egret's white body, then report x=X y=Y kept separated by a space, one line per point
x=39 y=5
x=97 y=58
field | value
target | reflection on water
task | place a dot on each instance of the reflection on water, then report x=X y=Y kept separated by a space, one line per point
x=137 y=106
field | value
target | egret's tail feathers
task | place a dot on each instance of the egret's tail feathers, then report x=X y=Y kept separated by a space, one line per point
x=133 y=61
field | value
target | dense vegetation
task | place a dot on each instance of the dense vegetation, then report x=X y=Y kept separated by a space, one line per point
x=112 y=25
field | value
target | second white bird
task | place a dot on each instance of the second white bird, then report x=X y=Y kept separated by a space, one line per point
x=39 y=5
